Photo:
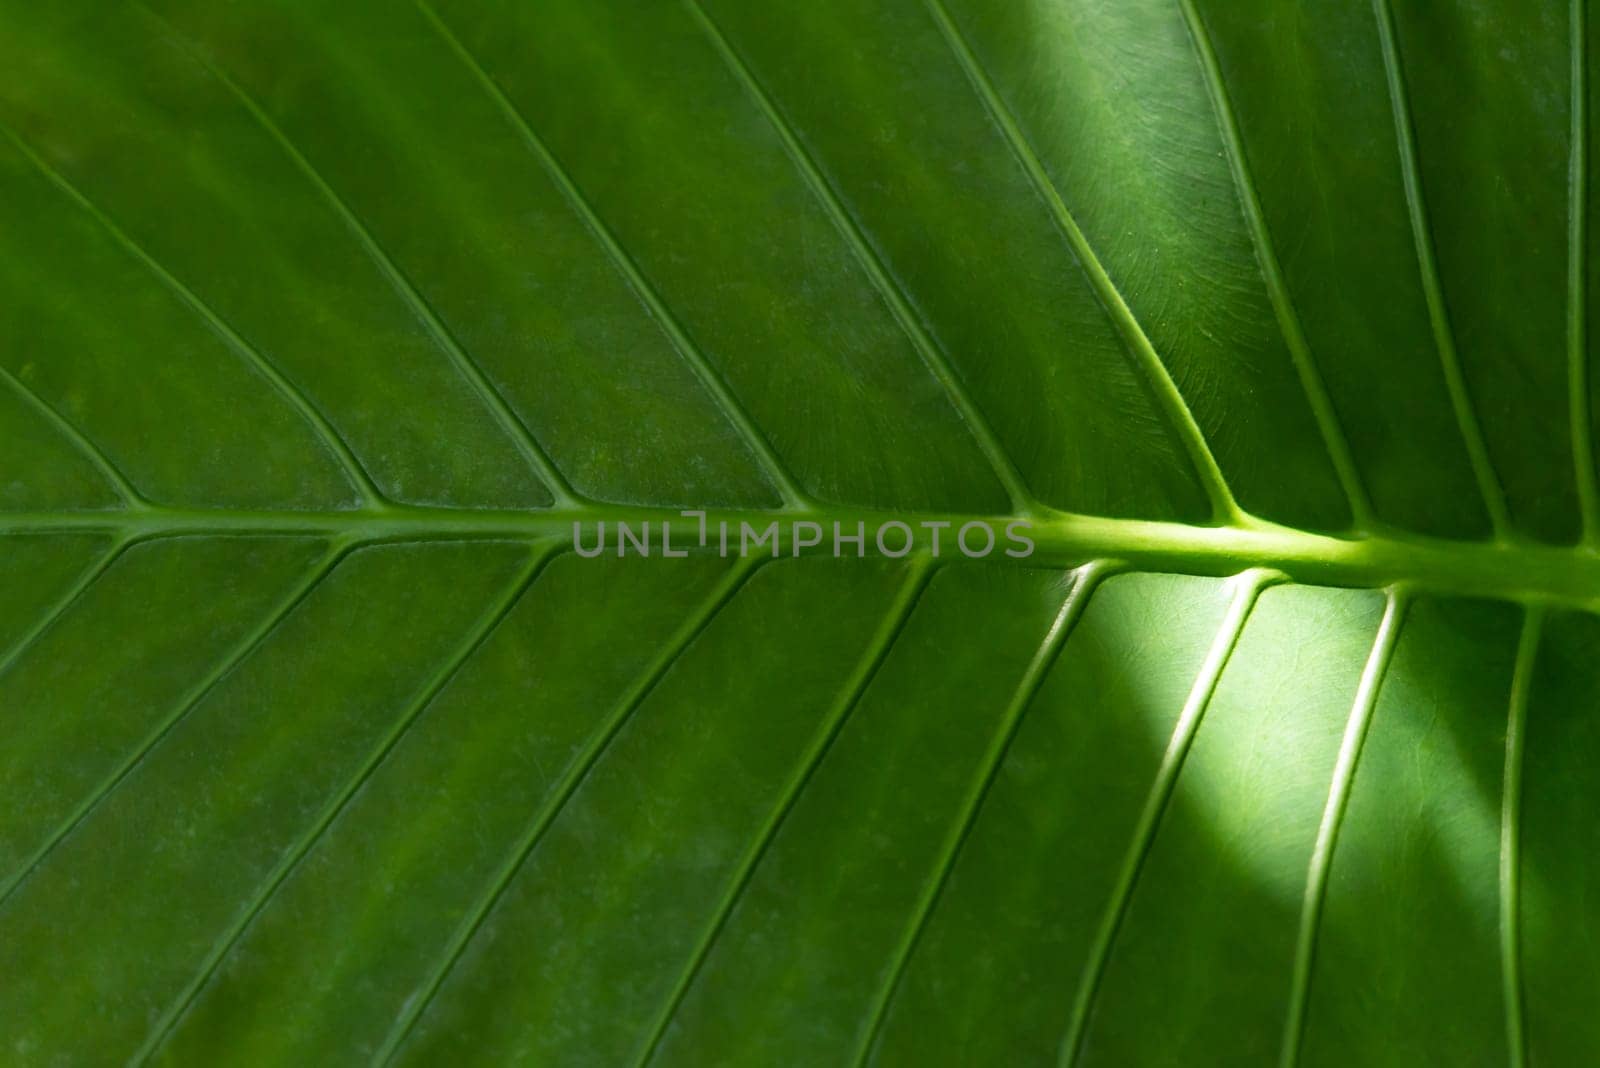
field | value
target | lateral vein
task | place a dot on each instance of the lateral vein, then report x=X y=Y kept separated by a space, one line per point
x=1494 y=499
x=510 y=422
x=1321 y=863
x=642 y=288
x=68 y=598
x=231 y=660
x=131 y=498
x=1334 y=439
x=1579 y=407
x=1086 y=580
x=417 y=1005
x=1247 y=589
x=350 y=465
x=932 y=353
x=290 y=860
x=1225 y=510
x=1511 y=835
x=876 y=653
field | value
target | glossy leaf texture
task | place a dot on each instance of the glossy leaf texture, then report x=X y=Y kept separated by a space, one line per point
x=328 y=330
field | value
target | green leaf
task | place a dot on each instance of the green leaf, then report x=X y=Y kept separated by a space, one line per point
x=329 y=331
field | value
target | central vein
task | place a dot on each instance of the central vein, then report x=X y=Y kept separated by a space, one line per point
x=1511 y=571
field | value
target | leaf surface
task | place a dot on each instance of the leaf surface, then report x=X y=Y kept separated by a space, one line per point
x=332 y=330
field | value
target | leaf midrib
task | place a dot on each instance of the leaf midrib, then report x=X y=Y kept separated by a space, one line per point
x=1516 y=571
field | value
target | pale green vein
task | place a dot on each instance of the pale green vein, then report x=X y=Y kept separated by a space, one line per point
x=1515 y=571
x=1511 y=835
x=690 y=352
x=196 y=694
x=1247 y=589
x=1580 y=411
x=571 y=779
x=131 y=498
x=1334 y=439
x=932 y=354
x=510 y=423
x=876 y=653
x=1344 y=771
x=1494 y=499
x=253 y=357
x=286 y=865
x=1085 y=581
x=1223 y=507
x=67 y=599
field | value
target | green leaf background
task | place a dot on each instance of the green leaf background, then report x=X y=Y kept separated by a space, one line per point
x=323 y=323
